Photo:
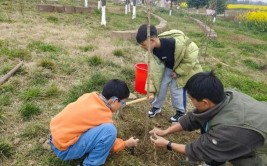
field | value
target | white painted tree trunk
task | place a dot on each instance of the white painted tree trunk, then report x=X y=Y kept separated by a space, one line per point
x=214 y=19
x=126 y=9
x=162 y=3
x=103 y=18
x=134 y=12
x=170 y=13
x=98 y=4
x=129 y=7
x=85 y=3
x=197 y=11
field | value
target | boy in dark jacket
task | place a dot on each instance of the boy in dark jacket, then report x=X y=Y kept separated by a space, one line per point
x=234 y=123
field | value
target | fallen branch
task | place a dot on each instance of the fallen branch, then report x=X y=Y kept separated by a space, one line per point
x=10 y=73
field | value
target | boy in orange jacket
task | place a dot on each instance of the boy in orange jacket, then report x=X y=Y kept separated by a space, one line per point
x=86 y=127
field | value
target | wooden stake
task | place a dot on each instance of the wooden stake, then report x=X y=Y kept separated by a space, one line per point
x=10 y=73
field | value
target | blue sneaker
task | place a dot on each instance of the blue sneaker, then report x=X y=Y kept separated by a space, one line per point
x=153 y=112
x=176 y=117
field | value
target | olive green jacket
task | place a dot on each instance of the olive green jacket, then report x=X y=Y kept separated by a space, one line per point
x=245 y=112
x=186 y=61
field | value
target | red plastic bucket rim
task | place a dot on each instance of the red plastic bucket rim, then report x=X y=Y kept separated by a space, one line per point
x=138 y=65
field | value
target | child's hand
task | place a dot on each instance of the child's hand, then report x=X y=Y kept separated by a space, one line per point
x=174 y=75
x=157 y=131
x=131 y=142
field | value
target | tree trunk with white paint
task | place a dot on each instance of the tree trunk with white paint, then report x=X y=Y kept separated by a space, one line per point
x=134 y=9
x=126 y=10
x=103 y=18
x=170 y=13
x=98 y=4
x=85 y=3
x=129 y=6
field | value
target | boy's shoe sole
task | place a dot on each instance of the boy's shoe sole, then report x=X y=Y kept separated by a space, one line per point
x=152 y=115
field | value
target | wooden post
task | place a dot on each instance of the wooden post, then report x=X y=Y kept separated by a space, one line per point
x=10 y=73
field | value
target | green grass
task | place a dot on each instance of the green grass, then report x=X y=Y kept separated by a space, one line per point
x=94 y=83
x=118 y=53
x=249 y=49
x=253 y=65
x=87 y=48
x=35 y=130
x=217 y=44
x=233 y=79
x=39 y=77
x=52 y=90
x=29 y=110
x=47 y=63
x=40 y=46
x=5 y=69
x=4 y=100
x=6 y=150
x=31 y=93
x=53 y=19
x=95 y=60
x=7 y=87
x=15 y=53
x=61 y=67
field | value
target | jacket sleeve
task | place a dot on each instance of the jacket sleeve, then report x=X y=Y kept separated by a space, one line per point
x=222 y=144
x=189 y=123
x=118 y=145
x=189 y=60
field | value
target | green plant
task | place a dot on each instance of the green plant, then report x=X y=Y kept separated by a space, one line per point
x=52 y=90
x=46 y=63
x=118 y=53
x=43 y=47
x=87 y=48
x=29 y=110
x=30 y=93
x=95 y=60
x=6 y=150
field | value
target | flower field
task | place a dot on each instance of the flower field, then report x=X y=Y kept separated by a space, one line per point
x=244 y=6
x=255 y=17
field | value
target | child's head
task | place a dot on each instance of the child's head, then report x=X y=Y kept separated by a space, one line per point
x=141 y=36
x=116 y=91
x=205 y=85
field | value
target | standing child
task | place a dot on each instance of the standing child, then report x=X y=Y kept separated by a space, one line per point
x=85 y=127
x=174 y=61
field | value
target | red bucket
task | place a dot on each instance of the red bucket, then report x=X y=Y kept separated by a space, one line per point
x=140 y=77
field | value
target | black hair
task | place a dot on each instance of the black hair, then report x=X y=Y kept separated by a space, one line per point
x=205 y=85
x=116 y=87
x=141 y=35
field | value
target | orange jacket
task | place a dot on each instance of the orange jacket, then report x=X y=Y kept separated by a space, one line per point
x=76 y=118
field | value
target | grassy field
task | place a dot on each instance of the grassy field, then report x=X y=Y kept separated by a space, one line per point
x=66 y=55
